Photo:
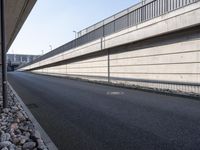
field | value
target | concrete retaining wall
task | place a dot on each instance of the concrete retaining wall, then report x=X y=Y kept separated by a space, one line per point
x=170 y=62
x=162 y=53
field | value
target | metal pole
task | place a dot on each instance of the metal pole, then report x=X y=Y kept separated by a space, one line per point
x=50 y=47
x=3 y=57
x=75 y=34
x=75 y=38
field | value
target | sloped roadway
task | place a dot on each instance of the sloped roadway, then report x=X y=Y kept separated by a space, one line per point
x=79 y=115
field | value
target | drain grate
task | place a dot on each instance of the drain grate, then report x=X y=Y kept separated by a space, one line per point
x=32 y=105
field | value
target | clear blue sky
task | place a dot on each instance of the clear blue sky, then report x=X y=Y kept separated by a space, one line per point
x=52 y=22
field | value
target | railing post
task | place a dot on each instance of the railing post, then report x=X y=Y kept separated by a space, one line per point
x=166 y=6
x=108 y=65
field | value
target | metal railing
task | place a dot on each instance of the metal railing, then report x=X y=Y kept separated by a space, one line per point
x=130 y=17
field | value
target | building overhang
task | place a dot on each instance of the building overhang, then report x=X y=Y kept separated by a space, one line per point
x=16 y=12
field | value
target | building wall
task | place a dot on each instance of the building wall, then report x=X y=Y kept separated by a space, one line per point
x=17 y=58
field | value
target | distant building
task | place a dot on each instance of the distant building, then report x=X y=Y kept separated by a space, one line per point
x=15 y=60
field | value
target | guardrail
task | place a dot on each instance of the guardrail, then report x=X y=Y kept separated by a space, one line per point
x=123 y=20
x=112 y=18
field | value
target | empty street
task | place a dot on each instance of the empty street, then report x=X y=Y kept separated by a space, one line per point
x=78 y=115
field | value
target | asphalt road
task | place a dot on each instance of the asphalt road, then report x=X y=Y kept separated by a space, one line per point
x=79 y=115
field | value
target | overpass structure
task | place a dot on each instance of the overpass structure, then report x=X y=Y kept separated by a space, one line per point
x=154 y=44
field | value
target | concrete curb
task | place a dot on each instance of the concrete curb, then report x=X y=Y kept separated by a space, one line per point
x=48 y=142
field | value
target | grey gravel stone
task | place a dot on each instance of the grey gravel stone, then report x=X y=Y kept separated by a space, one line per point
x=41 y=144
x=36 y=135
x=16 y=141
x=6 y=110
x=23 y=139
x=23 y=128
x=5 y=148
x=5 y=144
x=17 y=132
x=3 y=127
x=17 y=120
x=12 y=147
x=15 y=108
x=3 y=123
x=5 y=137
x=29 y=145
x=27 y=134
x=20 y=116
x=14 y=126
x=18 y=148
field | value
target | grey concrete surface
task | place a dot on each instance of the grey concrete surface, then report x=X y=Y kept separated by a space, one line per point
x=84 y=116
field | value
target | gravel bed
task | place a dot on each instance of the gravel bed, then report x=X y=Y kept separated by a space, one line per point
x=17 y=132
